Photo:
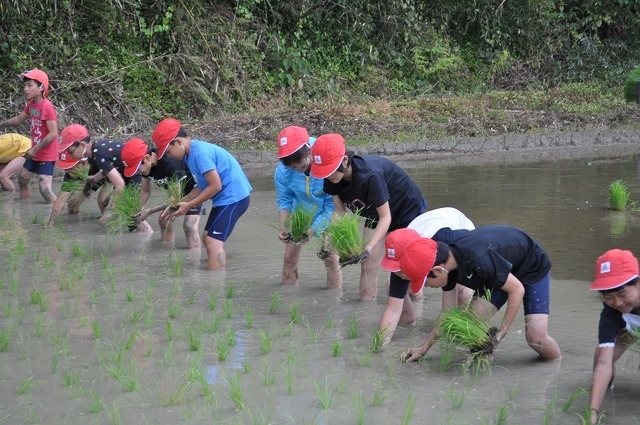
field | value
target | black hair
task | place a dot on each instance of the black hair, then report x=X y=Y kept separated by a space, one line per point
x=181 y=133
x=343 y=168
x=26 y=80
x=632 y=282
x=442 y=253
x=296 y=157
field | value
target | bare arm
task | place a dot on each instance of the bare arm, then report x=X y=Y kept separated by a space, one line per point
x=338 y=206
x=15 y=121
x=58 y=205
x=602 y=373
x=188 y=202
x=515 y=291
x=384 y=221
x=449 y=301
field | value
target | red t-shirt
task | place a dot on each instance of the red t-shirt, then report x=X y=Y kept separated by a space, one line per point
x=39 y=113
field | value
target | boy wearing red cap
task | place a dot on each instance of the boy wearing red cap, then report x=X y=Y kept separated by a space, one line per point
x=617 y=281
x=375 y=187
x=104 y=158
x=296 y=188
x=442 y=224
x=140 y=159
x=502 y=263
x=42 y=155
x=218 y=177
x=13 y=146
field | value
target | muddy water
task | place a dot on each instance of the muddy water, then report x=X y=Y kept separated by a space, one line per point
x=108 y=329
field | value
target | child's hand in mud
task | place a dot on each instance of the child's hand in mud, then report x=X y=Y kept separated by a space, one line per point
x=488 y=347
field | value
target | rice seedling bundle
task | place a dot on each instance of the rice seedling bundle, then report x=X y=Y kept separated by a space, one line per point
x=298 y=224
x=126 y=205
x=174 y=191
x=618 y=195
x=79 y=174
x=462 y=326
x=345 y=238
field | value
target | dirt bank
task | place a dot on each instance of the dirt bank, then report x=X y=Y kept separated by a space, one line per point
x=506 y=148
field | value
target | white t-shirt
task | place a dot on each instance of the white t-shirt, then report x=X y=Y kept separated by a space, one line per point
x=427 y=224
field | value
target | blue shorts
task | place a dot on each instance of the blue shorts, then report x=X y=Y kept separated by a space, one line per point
x=223 y=219
x=535 y=300
x=41 y=168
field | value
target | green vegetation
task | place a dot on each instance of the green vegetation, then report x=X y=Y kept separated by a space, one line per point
x=174 y=191
x=631 y=86
x=79 y=174
x=462 y=326
x=618 y=195
x=473 y=62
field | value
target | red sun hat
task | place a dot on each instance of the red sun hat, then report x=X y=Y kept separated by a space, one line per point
x=290 y=140
x=614 y=268
x=71 y=134
x=165 y=132
x=65 y=161
x=417 y=261
x=39 y=76
x=394 y=247
x=132 y=154
x=327 y=153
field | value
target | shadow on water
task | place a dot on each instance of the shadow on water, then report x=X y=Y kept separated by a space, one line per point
x=125 y=329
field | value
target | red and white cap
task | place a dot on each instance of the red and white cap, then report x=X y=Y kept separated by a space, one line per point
x=614 y=268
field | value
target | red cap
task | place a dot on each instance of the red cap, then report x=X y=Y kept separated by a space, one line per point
x=71 y=134
x=132 y=154
x=417 y=261
x=39 y=76
x=614 y=268
x=65 y=161
x=165 y=132
x=327 y=152
x=395 y=245
x=290 y=140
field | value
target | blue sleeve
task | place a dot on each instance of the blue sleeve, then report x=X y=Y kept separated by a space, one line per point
x=324 y=217
x=284 y=195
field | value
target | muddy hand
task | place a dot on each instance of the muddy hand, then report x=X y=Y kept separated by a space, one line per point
x=86 y=190
x=410 y=355
x=490 y=345
x=357 y=259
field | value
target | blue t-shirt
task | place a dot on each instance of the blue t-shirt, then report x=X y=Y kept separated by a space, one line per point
x=374 y=181
x=204 y=157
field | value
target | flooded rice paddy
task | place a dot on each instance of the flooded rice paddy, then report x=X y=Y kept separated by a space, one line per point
x=124 y=329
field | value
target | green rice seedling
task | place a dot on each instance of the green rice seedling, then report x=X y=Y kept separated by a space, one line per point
x=330 y=323
x=230 y=290
x=345 y=238
x=148 y=317
x=5 y=339
x=502 y=415
x=409 y=409
x=249 y=319
x=96 y=402
x=175 y=310
x=235 y=391
x=336 y=349
x=168 y=354
x=618 y=195
x=228 y=309
x=20 y=247
x=276 y=302
x=325 y=394
x=97 y=331
x=268 y=376
x=126 y=204
x=359 y=408
x=379 y=396
x=266 y=340
x=294 y=313
x=298 y=223
x=246 y=366
x=223 y=347
x=130 y=295
x=585 y=417
x=70 y=377
x=456 y=399
x=195 y=339
x=352 y=330
x=174 y=191
x=377 y=341
x=25 y=386
x=114 y=414
x=35 y=296
x=213 y=301
x=59 y=245
x=364 y=360
x=44 y=303
x=580 y=392
x=79 y=174
x=174 y=264
x=213 y=326
x=289 y=379
x=76 y=249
